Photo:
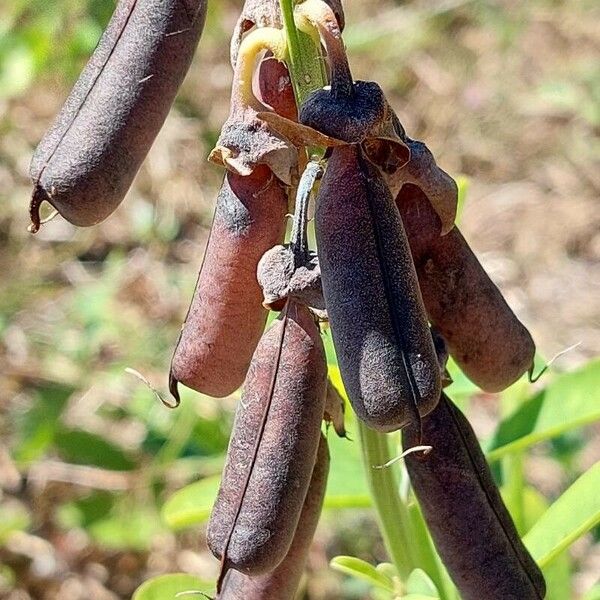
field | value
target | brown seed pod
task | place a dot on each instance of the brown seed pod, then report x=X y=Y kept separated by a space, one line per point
x=470 y=526
x=484 y=336
x=88 y=159
x=283 y=581
x=272 y=447
x=380 y=331
x=226 y=318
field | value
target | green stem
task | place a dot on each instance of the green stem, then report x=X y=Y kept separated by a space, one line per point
x=392 y=513
x=305 y=60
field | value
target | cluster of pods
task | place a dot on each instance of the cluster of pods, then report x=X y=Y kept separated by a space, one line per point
x=392 y=275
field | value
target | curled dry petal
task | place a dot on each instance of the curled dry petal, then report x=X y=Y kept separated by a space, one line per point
x=422 y=170
x=245 y=140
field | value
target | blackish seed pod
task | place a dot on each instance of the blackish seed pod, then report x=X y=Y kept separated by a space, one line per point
x=88 y=159
x=283 y=581
x=272 y=448
x=226 y=317
x=380 y=331
x=469 y=524
x=484 y=336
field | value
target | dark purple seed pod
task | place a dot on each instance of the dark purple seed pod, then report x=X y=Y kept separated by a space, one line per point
x=283 y=581
x=272 y=448
x=468 y=521
x=380 y=332
x=226 y=317
x=88 y=159
x=489 y=343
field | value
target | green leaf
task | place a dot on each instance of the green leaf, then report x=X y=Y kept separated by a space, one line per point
x=130 y=528
x=567 y=403
x=192 y=504
x=346 y=485
x=84 y=448
x=420 y=583
x=40 y=424
x=571 y=516
x=558 y=573
x=360 y=569
x=166 y=587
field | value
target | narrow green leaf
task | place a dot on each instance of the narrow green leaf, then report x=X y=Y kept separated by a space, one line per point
x=166 y=587
x=420 y=583
x=346 y=485
x=558 y=573
x=567 y=403
x=355 y=567
x=192 y=504
x=571 y=516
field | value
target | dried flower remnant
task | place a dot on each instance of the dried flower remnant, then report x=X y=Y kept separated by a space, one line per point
x=292 y=270
x=245 y=140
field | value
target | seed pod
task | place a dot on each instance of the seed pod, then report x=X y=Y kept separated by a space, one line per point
x=471 y=528
x=87 y=160
x=226 y=318
x=380 y=331
x=282 y=583
x=272 y=447
x=484 y=336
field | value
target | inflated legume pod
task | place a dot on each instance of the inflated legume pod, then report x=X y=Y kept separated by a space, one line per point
x=378 y=323
x=88 y=159
x=226 y=317
x=283 y=581
x=272 y=448
x=468 y=521
x=484 y=336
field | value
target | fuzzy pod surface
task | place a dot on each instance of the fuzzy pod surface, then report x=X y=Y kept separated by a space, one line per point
x=226 y=317
x=272 y=448
x=489 y=343
x=468 y=521
x=283 y=581
x=87 y=160
x=380 y=332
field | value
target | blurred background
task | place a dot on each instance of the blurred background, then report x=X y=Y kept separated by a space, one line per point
x=507 y=96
